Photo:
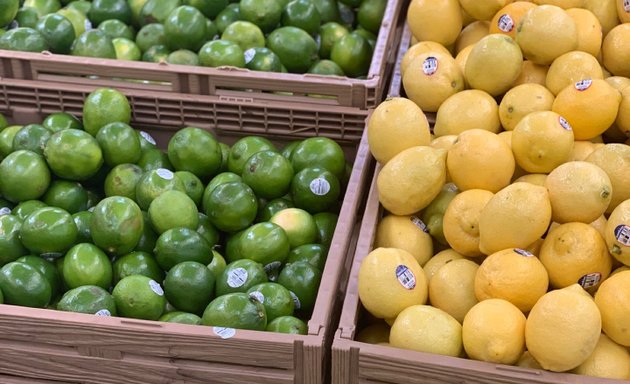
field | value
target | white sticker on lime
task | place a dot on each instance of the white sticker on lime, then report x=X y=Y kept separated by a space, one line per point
x=224 y=332
x=296 y=300
x=155 y=287
x=249 y=55
x=148 y=137
x=622 y=234
x=626 y=5
x=451 y=187
x=405 y=277
x=320 y=186
x=258 y=296
x=165 y=173
x=523 y=252
x=583 y=85
x=419 y=223
x=590 y=280
x=506 y=23
x=430 y=65
x=91 y=209
x=237 y=277
x=565 y=124
x=272 y=266
x=5 y=211
x=103 y=312
x=87 y=24
x=51 y=255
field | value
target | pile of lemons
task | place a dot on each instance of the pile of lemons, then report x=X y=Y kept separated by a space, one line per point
x=505 y=235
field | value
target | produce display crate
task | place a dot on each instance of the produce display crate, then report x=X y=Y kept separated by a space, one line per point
x=304 y=104
x=356 y=362
x=47 y=346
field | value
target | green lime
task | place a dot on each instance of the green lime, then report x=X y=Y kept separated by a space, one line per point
x=9 y=11
x=86 y=264
x=3 y=122
x=346 y=14
x=120 y=144
x=43 y=7
x=192 y=184
x=61 y=120
x=93 y=198
x=23 y=39
x=268 y=173
x=326 y=223
x=326 y=67
x=156 y=11
x=153 y=159
x=126 y=49
x=48 y=231
x=136 y=7
x=137 y=263
x=287 y=324
x=6 y=139
x=231 y=206
x=219 y=53
x=315 y=189
x=22 y=284
x=156 y=54
x=150 y=35
x=195 y=150
x=221 y=178
x=78 y=19
x=217 y=265
x=11 y=247
x=265 y=243
x=24 y=175
x=371 y=38
x=58 y=32
x=148 y=238
x=146 y=140
x=298 y=224
x=235 y=310
x=272 y=207
x=329 y=34
x=83 y=220
x=115 y=28
x=232 y=248
x=275 y=298
x=181 y=244
x=122 y=180
x=32 y=137
x=67 y=195
x=302 y=14
x=207 y=230
x=295 y=47
x=185 y=28
x=353 y=54
x=210 y=8
x=104 y=106
x=173 y=209
x=26 y=207
x=264 y=13
x=244 y=148
x=117 y=225
x=183 y=57
x=302 y=279
x=94 y=43
x=370 y=14
x=314 y=254
x=319 y=152
x=90 y=299
x=47 y=268
x=225 y=153
x=288 y=149
x=262 y=59
x=181 y=318
x=26 y=17
x=239 y=276
x=189 y=286
x=247 y=35
x=227 y=16
x=328 y=10
x=102 y=10
x=212 y=32
x=73 y=154
x=139 y=297
x=155 y=182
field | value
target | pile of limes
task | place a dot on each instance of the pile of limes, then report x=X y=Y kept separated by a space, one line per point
x=326 y=37
x=96 y=219
x=506 y=233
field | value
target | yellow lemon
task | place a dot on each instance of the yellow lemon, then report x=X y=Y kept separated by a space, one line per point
x=462 y=58
x=452 y=288
x=461 y=221
x=439 y=21
x=609 y=360
x=431 y=78
x=444 y=142
x=480 y=160
x=565 y=4
x=605 y=11
x=493 y=64
x=570 y=68
x=541 y=141
x=515 y=217
x=620 y=269
x=420 y=48
x=439 y=260
x=578 y=191
x=412 y=179
x=623 y=116
x=600 y=225
x=563 y=329
x=482 y=10
x=618 y=82
x=616 y=50
x=522 y=100
x=508 y=17
x=575 y=253
x=533 y=178
x=614 y=159
x=467 y=110
x=613 y=300
x=546 y=32
x=405 y=232
x=581 y=150
x=532 y=73
x=427 y=329
x=395 y=125
x=374 y=333
x=617 y=233
x=528 y=361
x=391 y=280
x=623 y=11
x=589 y=30
x=494 y=331
x=471 y=34
x=514 y=275
x=590 y=106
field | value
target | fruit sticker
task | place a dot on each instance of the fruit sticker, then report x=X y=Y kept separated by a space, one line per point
x=430 y=65
x=506 y=24
x=523 y=252
x=583 y=85
x=224 y=332
x=5 y=211
x=622 y=234
x=148 y=137
x=590 y=280
x=564 y=123
x=103 y=312
x=626 y=5
x=237 y=277
x=249 y=55
x=155 y=287
x=258 y=296
x=88 y=24
x=405 y=277
x=51 y=255
x=419 y=223
x=274 y=265
x=296 y=300
x=320 y=186
x=165 y=174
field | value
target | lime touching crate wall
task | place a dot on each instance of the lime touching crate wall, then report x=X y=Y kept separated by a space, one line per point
x=54 y=346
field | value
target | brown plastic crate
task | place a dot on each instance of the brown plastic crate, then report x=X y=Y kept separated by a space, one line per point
x=219 y=83
x=61 y=347
x=354 y=362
